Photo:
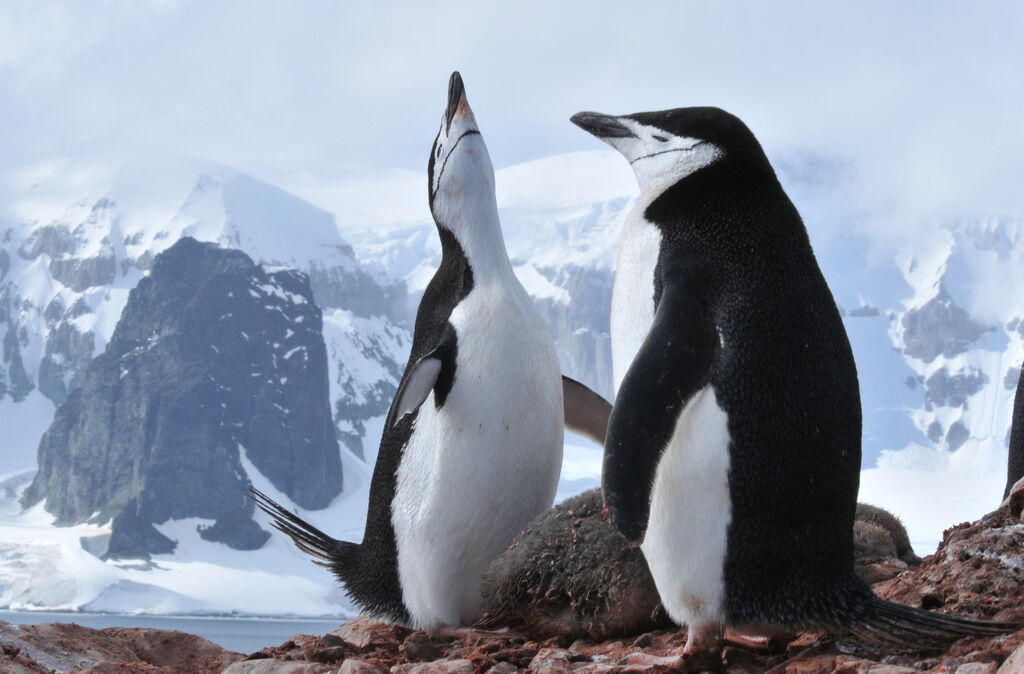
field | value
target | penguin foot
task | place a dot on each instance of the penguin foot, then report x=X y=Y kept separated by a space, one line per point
x=758 y=642
x=703 y=639
x=453 y=631
x=703 y=651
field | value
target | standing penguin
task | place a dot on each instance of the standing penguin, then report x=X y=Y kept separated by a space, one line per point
x=472 y=444
x=1015 y=457
x=733 y=447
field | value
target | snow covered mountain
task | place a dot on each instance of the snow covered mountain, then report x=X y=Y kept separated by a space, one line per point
x=931 y=309
x=68 y=263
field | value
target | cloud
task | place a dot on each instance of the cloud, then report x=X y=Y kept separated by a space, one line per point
x=924 y=103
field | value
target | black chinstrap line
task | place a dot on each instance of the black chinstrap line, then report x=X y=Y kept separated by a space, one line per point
x=677 y=149
x=440 y=173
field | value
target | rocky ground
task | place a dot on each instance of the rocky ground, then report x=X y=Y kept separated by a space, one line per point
x=978 y=570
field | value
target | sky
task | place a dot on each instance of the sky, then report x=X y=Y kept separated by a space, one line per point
x=920 y=102
x=923 y=100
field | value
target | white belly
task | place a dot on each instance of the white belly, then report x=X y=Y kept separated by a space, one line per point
x=633 y=292
x=685 y=544
x=477 y=471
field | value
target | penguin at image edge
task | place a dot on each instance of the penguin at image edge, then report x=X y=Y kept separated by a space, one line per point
x=733 y=448
x=472 y=444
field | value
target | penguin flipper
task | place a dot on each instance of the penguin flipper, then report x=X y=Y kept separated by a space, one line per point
x=586 y=412
x=673 y=363
x=421 y=376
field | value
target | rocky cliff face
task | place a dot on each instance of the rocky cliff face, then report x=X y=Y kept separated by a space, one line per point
x=214 y=361
x=67 y=265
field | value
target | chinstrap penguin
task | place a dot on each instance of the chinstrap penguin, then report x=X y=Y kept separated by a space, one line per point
x=472 y=444
x=733 y=447
x=1015 y=457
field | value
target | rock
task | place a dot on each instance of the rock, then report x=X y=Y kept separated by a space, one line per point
x=363 y=632
x=1014 y=663
x=973 y=573
x=939 y=327
x=976 y=571
x=64 y=647
x=278 y=667
x=436 y=667
x=419 y=646
x=977 y=668
x=503 y=668
x=353 y=666
x=212 y=355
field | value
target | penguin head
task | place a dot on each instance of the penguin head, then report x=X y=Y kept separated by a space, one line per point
x=666 y=146
x=459 y=165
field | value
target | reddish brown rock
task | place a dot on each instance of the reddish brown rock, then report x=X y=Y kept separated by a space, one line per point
x=278 y=667
x=362 y=632
x=978 y=570
x=66 y=647
x=353 y=666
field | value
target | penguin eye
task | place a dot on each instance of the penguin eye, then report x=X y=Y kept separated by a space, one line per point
x=660 y=138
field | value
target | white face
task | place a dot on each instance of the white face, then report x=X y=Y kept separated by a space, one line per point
x=659 y=158
x=462 y=174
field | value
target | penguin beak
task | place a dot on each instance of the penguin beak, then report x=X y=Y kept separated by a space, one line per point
x=456 y=98
x=602 y=126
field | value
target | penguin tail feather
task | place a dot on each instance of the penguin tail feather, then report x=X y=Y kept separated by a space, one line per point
x=906 y=626
x=327 y=552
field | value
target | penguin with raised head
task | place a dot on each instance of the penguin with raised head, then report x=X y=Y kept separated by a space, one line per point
x=733 y=448
x=472 y=444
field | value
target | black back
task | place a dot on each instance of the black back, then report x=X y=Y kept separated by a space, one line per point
x=1015 y=462
x=784 y=375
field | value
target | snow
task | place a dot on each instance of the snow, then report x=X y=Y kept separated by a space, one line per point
x=557 y=212
x=45 y=567
x=23 y=426
x=929 y=501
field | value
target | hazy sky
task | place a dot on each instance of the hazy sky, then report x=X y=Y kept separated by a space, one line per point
x=925 y=99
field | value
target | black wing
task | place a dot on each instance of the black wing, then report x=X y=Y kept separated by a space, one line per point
x=434 y=371
x=672 y=365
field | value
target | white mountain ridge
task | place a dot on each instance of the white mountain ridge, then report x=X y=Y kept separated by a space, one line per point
x=561 y=217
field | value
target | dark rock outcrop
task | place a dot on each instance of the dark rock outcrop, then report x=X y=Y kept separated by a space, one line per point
x=939 y=327
x=943 y=389
x=212 y=355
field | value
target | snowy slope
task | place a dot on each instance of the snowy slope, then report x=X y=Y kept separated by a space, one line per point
x=930 y=308
x=69 y=262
